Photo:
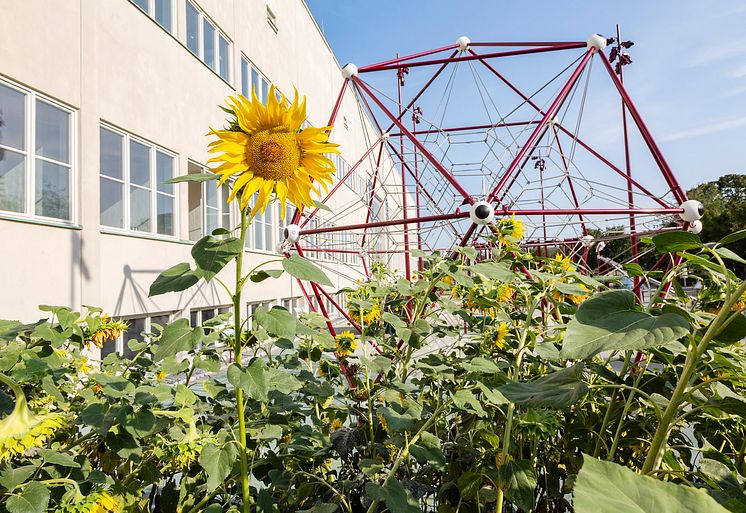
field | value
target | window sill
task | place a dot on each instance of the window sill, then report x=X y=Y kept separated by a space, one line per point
x=40 y=221
x=147 y=236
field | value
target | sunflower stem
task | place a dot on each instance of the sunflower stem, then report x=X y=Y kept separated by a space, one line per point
x=238 y=349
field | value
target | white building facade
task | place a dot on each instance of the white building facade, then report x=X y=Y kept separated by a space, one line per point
x=101 y=101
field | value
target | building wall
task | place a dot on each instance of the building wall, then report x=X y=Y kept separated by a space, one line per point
x=109 y=62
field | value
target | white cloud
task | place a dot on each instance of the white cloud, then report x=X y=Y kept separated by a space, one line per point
x=707 y=129
x=708 y=54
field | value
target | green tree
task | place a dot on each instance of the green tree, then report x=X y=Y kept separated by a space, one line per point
x=725 y=212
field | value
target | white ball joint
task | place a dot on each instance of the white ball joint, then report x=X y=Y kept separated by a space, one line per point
x=463 y=43
x=349 y=70
x=291 y=233
x=482 y=213
x=695 y=227
x=693 y=211
x=596 y=41
x=587 y=241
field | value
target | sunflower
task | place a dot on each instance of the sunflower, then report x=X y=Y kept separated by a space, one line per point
x=740 y=304
x=565 y=262
x=346 y=343
x=510 y=231
x=107 y=330
x=22 y=429
x=579 y=298
x=504 y=293
x=266 y=151
x=373 y=315
x=502 y=333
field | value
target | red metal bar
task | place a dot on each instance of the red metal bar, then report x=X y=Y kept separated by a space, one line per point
x=527 y=43
x=410 y=57
x=447 y=175
x=339 y=184
x=494 y=55
x=305 y=293
x=390 y=222
x=417 y=201
x=628 y=167
x=341 y=310
x=567 y=132
x=467 y=128
x=649 y=141
x=533 y=139
x=405 y=213
x=499 y=212
x=365 y=267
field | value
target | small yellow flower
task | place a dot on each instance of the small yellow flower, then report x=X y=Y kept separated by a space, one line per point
x=267 y=151
x=335 y=425
x=97 y=388
x=448 y=280
x=565 y=262
x=346 y=343
x=740 y=304
x=84 y=367
x=161 y=375
x=373 y=315
x=383 y=423
x=577 y=299
x=510 y=231
x=504 y=293
x=105 y=503
x=502 y=333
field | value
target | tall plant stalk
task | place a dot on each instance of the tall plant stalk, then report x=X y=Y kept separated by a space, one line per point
x=238 y=349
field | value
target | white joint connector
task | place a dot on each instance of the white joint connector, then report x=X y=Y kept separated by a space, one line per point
x=693 y=211
x=349 y=70
x=291 y=233
x=587 y=241
x=482 y=213
x=463 y=43
x=695 y=227
x=385 y=136
x=596 y=41
x=553 y=121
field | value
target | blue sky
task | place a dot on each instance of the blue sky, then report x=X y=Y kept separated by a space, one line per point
x=688 y=77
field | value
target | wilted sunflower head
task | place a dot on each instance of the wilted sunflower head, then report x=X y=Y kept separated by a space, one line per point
x=22 y=429
x=510 y=231
x=266 y=151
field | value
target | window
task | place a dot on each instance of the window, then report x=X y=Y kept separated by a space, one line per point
x=36 y=156
x=272 y=19
x=208 y=206
x=264 y=228
x=133 y=195
x=252 y=78
x=207 y=42
x=137 y=328
x=199 y=316
x=162 y=11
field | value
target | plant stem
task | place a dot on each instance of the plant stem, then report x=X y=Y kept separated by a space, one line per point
x=238 y=349
x=633 y=390
x=660 y=438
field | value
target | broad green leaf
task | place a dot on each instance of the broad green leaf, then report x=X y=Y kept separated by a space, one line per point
x=730 y=255
x=175 y=279
x=469 y=484
x=559 y=389
x=466 y=400
x=11 y=477
x=397 y=421
x=212 y=254
x=671 y=242
x=278 y=321
x=58 y=458
x=376 y=365
x=261 y=275
x=33 y=498
x=217 y=462
x=480 y=365
x=394 y=495
x=518 y=481
x=139 y=423
x=322 y=507
x=611 y=320
x=604 y=487
x=733 y=237
x=492 y=395
x=304 y=269
x=432 y=455
x=194 y=177
x=493 y=271
x=733 y=332
x=114 y=386
x=254 y=379
x=177 y=336
x=282 y=381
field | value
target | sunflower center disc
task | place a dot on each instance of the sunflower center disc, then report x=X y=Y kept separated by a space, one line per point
x=273 y=154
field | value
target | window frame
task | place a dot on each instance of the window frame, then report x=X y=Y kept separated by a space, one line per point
x=150 y=13
x=120 y=342
x=221 y=208
x=203 y=18
x=248 y=67
x=272 y=20
x=31 y=97
x=126 y=228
